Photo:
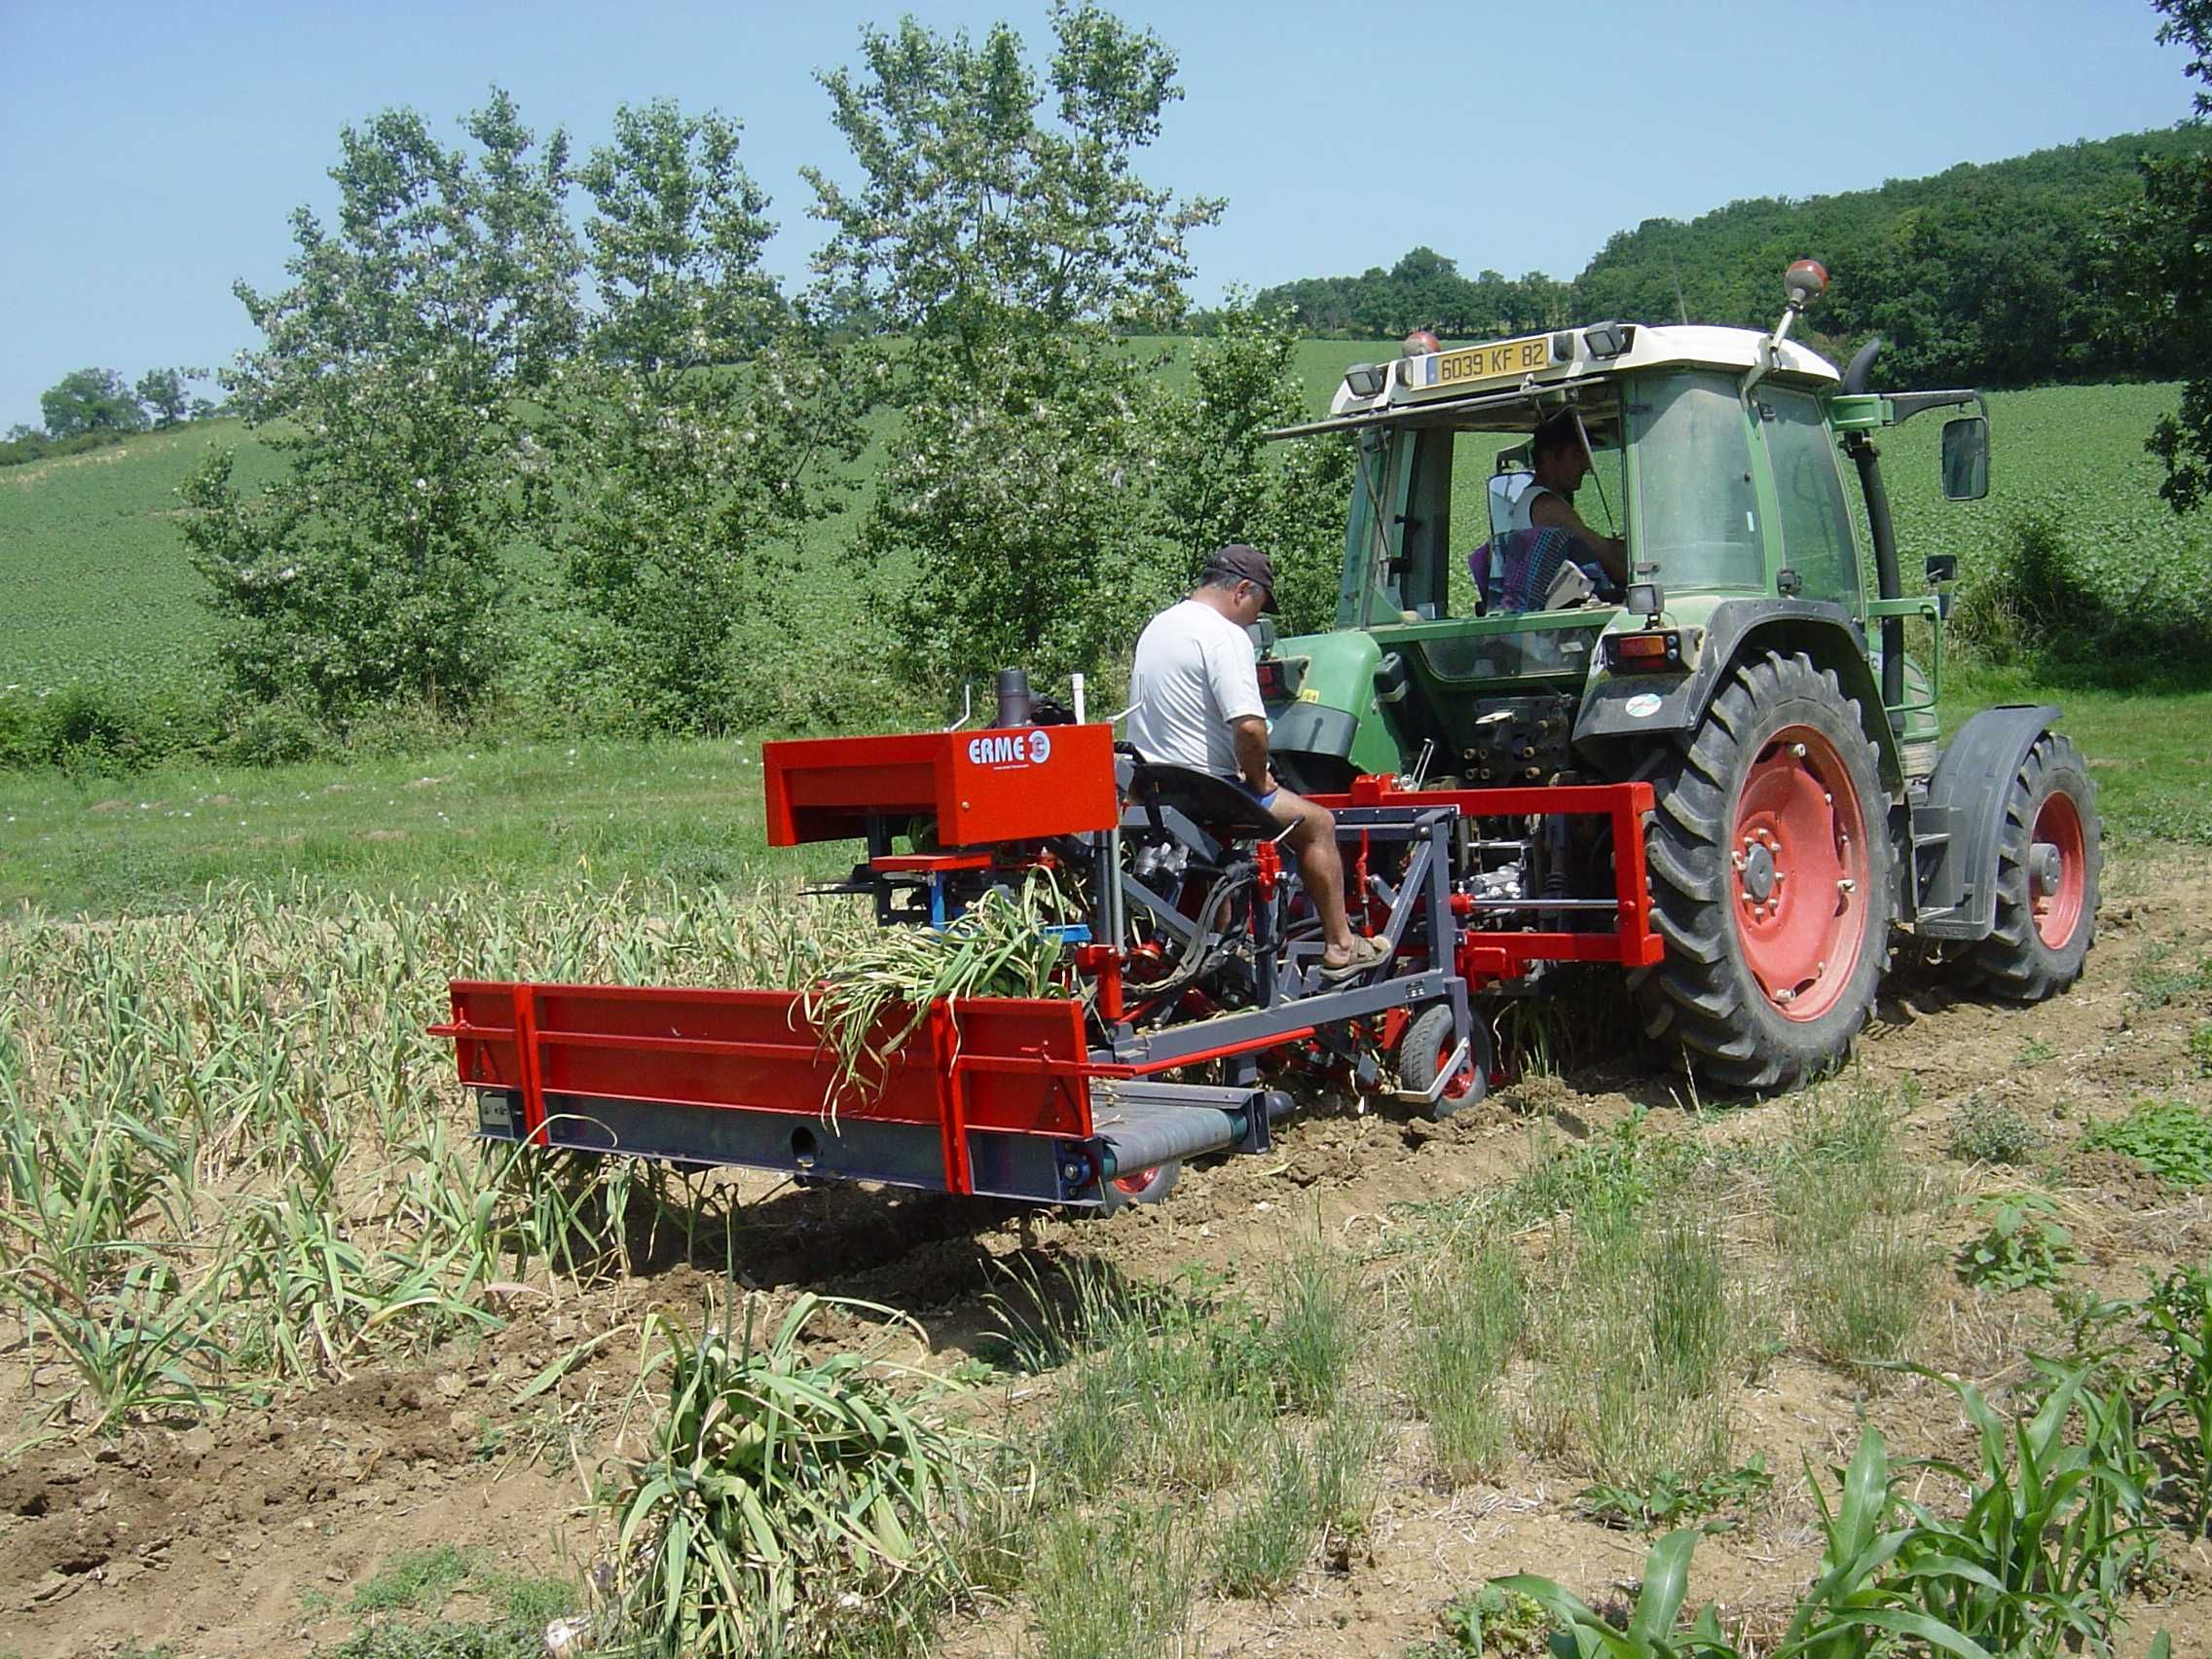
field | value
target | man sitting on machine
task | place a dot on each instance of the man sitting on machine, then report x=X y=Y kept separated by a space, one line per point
x=1195 y=702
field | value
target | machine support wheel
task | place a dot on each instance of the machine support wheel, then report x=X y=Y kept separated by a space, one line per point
x=1773 y=880
x=2049 y=857
x=1148 y=1186
x=1427 y=1043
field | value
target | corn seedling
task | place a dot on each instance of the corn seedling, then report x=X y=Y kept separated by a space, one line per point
x=2177 y=1315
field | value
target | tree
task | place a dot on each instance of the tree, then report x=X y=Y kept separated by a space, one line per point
x=163 y=395
x=411 y=365
x=979 y=214
x=1008 y=239
x=2174 y=235
x=684 y=478
x=90 y=400
x=1219 y=480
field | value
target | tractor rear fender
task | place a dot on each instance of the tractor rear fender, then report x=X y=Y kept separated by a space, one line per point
x=1956 y=828
x=1618 y=720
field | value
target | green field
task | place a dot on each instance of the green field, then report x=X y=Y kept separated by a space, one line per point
x=100 y=590
x=103 y=594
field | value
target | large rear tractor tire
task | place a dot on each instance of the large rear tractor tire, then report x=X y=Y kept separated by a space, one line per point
x=1773 y=880
x=2049 y=857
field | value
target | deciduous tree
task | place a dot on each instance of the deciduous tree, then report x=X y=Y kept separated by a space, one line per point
x=696 y=439
x=405 y=375
x=163 y=393
x=90 y=400
x=1001 y=225
x=2174 y=236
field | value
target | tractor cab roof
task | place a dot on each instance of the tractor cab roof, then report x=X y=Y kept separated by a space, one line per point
x=1514 y=384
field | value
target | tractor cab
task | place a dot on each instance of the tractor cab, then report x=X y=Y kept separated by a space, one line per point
x=1706 y=465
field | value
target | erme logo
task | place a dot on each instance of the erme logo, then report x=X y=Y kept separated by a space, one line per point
x=1010 y=749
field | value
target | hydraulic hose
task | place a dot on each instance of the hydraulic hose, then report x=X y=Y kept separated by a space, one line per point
x=1198 y=958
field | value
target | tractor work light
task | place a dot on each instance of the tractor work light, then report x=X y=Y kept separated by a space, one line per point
x=1607 y=339
x=1364 y=380
x=1650 y=652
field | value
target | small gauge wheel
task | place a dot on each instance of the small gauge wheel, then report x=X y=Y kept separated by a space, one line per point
x=1425 y=1048
x=1147 y=1185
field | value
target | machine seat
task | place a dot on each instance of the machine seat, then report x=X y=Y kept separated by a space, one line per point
x=1212 y=803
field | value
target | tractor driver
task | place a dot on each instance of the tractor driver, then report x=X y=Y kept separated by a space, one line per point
x=1195 y=696
x=1561 y=460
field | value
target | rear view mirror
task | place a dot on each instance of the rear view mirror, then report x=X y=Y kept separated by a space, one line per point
x=1966 y=458
x=1942 y=568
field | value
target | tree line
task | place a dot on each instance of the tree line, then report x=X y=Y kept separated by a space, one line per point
x=2015 y=273
x=552 y=437
x=455 y=370
x=89 y=407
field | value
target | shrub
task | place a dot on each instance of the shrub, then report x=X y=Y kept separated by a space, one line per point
x=105 y=727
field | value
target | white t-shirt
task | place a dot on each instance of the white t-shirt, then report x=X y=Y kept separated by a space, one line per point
x=1192 y=675
x=1524 y=505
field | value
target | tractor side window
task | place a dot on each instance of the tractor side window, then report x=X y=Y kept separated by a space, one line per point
x=1815 y=521
x=1697 y=511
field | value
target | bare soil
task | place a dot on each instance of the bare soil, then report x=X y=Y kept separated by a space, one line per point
x=248 y=1535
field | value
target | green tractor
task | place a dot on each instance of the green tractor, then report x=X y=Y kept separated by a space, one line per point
x=1808 y=807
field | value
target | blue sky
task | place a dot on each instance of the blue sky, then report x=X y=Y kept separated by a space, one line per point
x=155 y=150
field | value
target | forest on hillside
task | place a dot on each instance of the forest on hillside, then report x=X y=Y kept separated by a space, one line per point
x=1999 y=275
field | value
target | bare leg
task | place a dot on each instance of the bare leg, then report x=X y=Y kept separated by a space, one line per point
x=1313 y=840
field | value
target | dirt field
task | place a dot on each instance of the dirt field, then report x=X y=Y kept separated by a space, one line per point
x=243 y=1536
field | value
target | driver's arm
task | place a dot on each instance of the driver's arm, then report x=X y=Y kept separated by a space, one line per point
x=1553 y=512
x=1249 y=735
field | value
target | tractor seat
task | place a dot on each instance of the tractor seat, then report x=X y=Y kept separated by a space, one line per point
x=1212 y=803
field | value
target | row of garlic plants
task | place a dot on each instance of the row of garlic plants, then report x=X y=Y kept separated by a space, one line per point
x=231 y=1158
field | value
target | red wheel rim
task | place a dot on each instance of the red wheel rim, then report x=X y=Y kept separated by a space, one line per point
x=1799 y=870
x=2056 y=897
x=1134 y=1184
x=1463 y=1083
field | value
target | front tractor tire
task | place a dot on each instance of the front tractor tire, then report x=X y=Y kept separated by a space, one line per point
x=2049 y=857
x=1773 y=880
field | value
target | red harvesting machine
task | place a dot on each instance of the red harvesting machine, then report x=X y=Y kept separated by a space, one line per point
x=1192 y=962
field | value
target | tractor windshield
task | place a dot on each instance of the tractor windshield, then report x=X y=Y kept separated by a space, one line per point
x=1696 y=507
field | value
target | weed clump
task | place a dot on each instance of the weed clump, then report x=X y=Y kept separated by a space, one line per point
x=1117 y=1585
x=1640 y=1338
x=2023 y=1246
x=2171 y=1138
x=1470 y=1317
x=1994 y=1132
x=1851 y=1223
